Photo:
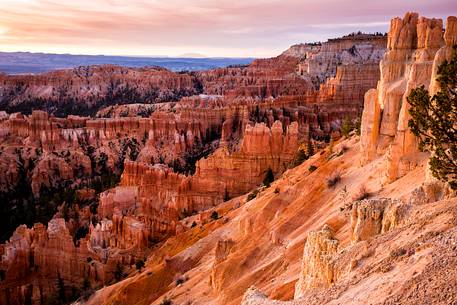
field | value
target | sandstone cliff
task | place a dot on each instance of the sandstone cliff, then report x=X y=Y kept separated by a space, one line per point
x=416 y=46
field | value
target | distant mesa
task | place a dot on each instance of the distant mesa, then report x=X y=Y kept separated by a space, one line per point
x=192 y=55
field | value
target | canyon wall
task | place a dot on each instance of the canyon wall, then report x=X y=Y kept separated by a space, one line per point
x=416 y=46
x=182 y=157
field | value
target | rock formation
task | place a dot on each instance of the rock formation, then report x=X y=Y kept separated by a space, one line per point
x=84 y=90
x=317 y=264
x=191 y=154
x=415 y=49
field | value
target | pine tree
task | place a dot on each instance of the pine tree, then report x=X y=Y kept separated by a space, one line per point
x=310 y=149
x=433 y=120
x=346 y=127
x=269 y=178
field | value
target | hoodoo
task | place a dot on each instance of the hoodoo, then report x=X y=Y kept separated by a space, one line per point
x=292 y=180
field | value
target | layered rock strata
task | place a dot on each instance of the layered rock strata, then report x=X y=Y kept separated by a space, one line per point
x=416 y=46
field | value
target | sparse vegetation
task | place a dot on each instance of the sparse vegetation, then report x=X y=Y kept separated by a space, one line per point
x=310 y=149
x=333 y=180
x=331 y=145
x=433 y=121
x=343 y=149
x=300 y=158
x=166 y=301
x=214 y=215
x=139 y=264
x=276 y=190
x=312 y=168
x=180 y=280
x=253 y=194
x=362 y=193
x=346 y=127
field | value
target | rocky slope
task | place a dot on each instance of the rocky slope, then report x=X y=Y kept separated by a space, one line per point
x=182 y=203
x=316 y=241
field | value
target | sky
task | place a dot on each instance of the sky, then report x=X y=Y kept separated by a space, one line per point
x=216 y=28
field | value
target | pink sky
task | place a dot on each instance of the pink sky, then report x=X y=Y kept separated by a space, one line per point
x=242 y=28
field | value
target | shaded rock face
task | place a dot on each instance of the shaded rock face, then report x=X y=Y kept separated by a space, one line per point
x=317 y=263
x=84 y=90
x=51 y=253
x=416 y=47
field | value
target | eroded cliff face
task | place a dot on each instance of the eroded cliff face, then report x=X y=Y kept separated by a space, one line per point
x=416 y=47
x=180 y=161
x=84 y=90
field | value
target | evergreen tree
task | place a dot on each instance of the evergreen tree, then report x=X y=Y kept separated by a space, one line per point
x=139 y=264
x=310 y=149
x=346 y=127
x=433 y=120
x=269 y=178
x=118 y=272
x=61 y=289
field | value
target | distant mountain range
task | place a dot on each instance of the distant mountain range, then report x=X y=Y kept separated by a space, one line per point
x=26 y=63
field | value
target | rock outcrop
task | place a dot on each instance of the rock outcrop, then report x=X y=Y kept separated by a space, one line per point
x=375 y=216
x=416 y=46
x=317 y=263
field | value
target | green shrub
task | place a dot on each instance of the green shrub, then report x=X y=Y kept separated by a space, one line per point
x=214 y=215
x=253 y=194
x=346 y=127
x=312 y=168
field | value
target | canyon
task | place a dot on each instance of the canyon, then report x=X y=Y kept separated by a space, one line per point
x=213 y=187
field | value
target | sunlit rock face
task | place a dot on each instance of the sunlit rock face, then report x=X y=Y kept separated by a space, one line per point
x=317 y=262
x=213 y=138
x=416 y=46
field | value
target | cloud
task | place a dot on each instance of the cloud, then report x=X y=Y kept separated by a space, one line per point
x=218 y=28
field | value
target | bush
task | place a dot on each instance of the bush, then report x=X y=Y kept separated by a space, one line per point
x=312 y=168
x=334 y=179
x=253 y=194
x=277 y=190
x=301 y=157
x=362 y=193
x=214 y=215
x=269 y=178
x=139 y=264
x=180 y=281
x=166 y=301
x=346 y=127
x=193 y=225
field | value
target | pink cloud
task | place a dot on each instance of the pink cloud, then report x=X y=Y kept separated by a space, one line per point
x=236 y=27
